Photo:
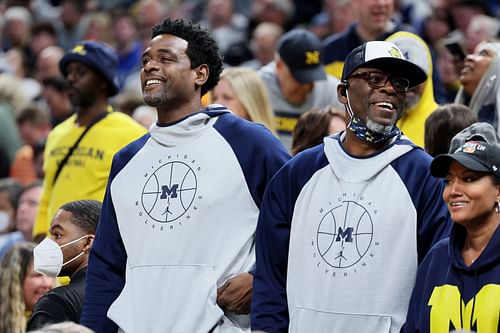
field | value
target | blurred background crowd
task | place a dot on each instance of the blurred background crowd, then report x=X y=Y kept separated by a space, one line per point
x=454 y=41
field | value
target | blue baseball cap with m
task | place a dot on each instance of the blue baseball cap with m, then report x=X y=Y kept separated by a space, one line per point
x=96 y=55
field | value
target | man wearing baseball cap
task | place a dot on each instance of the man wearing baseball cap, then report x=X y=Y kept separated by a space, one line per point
x=296 y=81
x=78 y=152
x=344 y=225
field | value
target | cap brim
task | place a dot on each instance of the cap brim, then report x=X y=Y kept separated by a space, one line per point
x=309 y=74
x=399 y=67
x=441 y=164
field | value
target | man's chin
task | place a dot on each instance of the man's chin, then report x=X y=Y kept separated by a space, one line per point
x=379 y=128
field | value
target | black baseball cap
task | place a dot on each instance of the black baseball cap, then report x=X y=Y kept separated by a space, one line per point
x=300 y=49
x=476 y=147
x=385 y=56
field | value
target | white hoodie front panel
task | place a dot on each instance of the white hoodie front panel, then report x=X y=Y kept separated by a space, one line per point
x=180 y=199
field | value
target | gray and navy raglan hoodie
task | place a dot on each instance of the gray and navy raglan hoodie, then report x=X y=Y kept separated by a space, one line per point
x=178 y=220
x=339 y=239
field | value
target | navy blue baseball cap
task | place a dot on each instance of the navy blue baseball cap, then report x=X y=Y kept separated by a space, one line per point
x=385 y=56
x=99 y=57
x=476 y=147
x=300 y=49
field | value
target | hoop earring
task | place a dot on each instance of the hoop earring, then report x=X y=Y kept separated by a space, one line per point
x=497 y=206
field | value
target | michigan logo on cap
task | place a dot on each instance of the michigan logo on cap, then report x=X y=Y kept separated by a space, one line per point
x=79 y=49
x=394 y=52
x=312 y=57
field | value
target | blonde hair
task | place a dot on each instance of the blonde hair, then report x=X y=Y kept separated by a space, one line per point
x=252 y=94
x=13 y=271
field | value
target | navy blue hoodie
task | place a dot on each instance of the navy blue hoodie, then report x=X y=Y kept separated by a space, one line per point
x=449 y=295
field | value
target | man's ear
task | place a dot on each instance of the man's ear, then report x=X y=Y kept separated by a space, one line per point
x=88 y=243
x=342 y=92
x=201 y=73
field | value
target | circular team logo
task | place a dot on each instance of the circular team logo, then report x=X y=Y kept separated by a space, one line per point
x=344 y=235
x=169 y=192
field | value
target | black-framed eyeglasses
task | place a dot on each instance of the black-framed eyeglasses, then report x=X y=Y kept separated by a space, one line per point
x=379 y=80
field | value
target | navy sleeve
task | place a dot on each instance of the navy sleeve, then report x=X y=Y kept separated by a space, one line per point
x=269 y=301
x=260 y=158
x=436 y=260
x=108 y=258
x=433 y=218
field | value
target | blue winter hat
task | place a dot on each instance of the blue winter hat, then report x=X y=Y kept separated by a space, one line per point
x=385 y=56
x=98 y=56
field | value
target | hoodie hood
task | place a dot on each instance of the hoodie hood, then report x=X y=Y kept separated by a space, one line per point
x=187 y=129
x=412 y=121
x=352 y=169
x=488 y=258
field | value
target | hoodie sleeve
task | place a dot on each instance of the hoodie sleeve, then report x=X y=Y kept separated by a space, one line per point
x=433 y=218
x=269 y=300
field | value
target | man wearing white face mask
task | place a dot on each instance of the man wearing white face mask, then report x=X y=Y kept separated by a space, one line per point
x=65 y=253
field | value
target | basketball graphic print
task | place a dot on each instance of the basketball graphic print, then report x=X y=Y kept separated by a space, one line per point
x=344 y=234
x=169 y=192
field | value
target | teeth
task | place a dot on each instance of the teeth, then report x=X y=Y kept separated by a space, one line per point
x=457 y=204
x=150 y=82
x=385 y=105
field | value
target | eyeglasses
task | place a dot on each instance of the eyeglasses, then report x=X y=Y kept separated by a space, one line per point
x=379 y=80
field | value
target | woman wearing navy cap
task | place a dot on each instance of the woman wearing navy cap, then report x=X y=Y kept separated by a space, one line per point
x=458 y=283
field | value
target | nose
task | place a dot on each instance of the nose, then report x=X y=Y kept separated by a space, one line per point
x=150 y=65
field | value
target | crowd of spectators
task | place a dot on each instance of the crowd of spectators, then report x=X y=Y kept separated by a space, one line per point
x=455 y=42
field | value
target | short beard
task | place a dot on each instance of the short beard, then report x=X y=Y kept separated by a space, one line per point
x=378 y=128
x=156 y=99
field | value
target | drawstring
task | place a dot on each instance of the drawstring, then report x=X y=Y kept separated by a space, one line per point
x=474 y=299
x=461 y=300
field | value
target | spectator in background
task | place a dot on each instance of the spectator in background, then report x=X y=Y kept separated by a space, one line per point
x=242 y=91
x=227 y=26
x=26 y=206
x=98 y=26
x=280 y=12
x=442 y=125
x=34 y=125
x=29 y=200
x=90 y=69
x=20 y=287
x=72 y=232
x=458 y=283
x=47 y=63
x=263 y=44
x=70 y=27
x=128 y=46
x=482 y=28
x=43 y=35
x=55 y=94
x=314 y=125
x=145 y=115
x=296 y=81
x=463 y=12
x=337 y=16
x=12 y=99
x=373 y=21
x=16 y=31
x=480 y=80
x=9 y=197
x=420 y=102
